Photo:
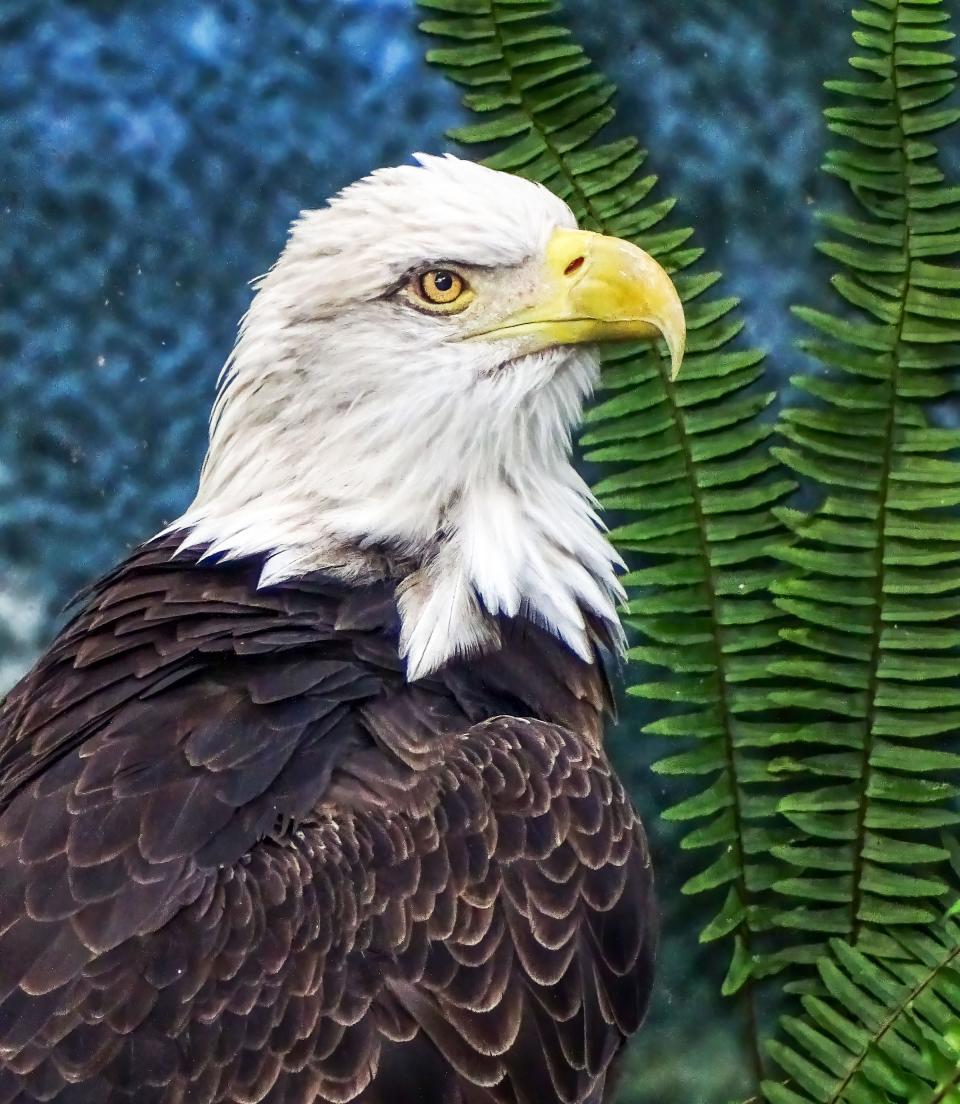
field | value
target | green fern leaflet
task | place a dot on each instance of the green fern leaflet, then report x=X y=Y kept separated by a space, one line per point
x=878 y=1030
x=872 y=588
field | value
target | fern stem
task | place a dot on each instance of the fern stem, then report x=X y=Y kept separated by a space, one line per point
x=890 y=1021
x=555 y=153
x=946 y=1089
x=747 y=991
x=746 y=994
x=880 y=549
x=875 y=652
x=876 y=1027
x=518 y=91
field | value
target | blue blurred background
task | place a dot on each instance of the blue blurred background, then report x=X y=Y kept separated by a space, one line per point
x=151 y=157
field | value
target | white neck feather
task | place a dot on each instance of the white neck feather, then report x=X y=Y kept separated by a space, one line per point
x=486 y=504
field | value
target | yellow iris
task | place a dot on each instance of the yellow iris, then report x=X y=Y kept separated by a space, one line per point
x=441 y=286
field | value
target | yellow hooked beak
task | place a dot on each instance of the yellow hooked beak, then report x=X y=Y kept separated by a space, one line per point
x=599 y=288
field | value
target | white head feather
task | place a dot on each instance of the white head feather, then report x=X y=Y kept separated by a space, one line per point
x=348 y=422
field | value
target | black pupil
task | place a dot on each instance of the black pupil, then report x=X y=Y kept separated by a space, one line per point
x=443 y=281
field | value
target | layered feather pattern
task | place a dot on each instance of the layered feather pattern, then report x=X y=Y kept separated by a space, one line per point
x=244 y=860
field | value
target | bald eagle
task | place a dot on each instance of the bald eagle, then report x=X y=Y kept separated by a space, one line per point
x=309 y=804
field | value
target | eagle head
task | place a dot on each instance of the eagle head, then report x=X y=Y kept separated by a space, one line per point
x=404 y=388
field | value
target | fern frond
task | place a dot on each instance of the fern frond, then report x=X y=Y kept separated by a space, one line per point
x=877 y=1029
x=689 y=470
x=872 y=587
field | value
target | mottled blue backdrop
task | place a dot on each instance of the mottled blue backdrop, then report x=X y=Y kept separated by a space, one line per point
x=151 y=157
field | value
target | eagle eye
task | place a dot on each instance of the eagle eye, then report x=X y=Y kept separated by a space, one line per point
x=440 y=291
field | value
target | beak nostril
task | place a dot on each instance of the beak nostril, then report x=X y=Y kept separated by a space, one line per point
x=573 y=266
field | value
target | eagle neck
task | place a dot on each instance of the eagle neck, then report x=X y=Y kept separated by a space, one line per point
x=475 y=506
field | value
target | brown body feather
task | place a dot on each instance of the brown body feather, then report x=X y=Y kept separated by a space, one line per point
x=242 y=860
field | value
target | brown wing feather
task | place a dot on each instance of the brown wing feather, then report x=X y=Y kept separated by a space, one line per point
x=241 y=859
x=531 y=1003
